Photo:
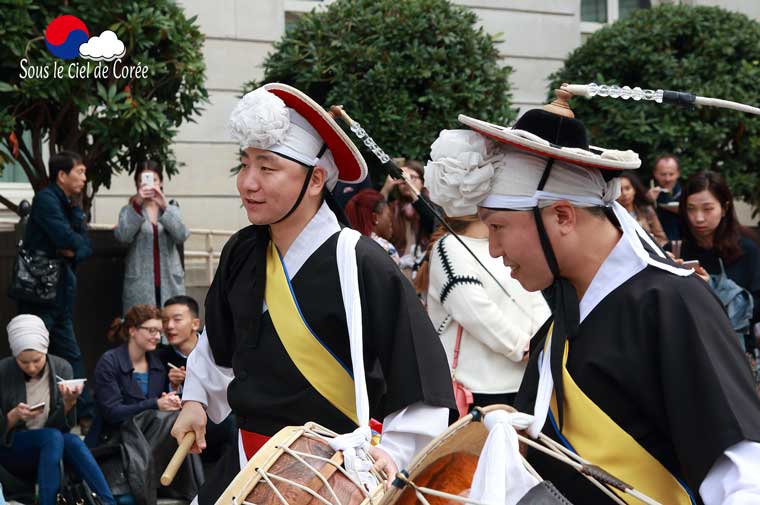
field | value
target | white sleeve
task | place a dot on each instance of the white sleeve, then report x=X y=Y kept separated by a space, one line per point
x=407 y=431
x=206 y=382
x=469 y=304
x=733 y=478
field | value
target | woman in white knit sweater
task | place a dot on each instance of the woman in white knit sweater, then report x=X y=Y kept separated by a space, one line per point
x=496 y=326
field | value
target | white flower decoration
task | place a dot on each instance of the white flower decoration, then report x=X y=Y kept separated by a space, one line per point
x=260 y=119
x=461 y=170
x=612 y=154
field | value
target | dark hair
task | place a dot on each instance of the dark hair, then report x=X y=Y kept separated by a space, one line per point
x=63 y=161
x=666 y=156
x=148 y=165
x=137 y=315
x=360 y=207
x=728 y=233
x=640 y=198
x=185 y=300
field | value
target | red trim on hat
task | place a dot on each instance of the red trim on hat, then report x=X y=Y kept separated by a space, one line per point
x=546 y=154
x=348 y=167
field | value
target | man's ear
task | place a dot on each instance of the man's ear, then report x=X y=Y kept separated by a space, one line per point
x=196 y=324
x=564 y=215
x=318 y=181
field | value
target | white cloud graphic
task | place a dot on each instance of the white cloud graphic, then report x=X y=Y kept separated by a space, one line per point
x=106 y=47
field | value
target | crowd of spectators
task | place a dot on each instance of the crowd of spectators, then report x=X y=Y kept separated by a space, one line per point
x=126 y=411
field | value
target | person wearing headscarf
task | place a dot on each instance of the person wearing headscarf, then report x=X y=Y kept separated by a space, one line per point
x=37 y=410
x=637 y=371
x=485 y=322
x=276 y=303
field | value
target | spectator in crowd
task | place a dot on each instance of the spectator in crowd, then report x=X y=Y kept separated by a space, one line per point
x=181 y=326
x=464 y=302
x=666 y=194
x=36 y=415
x=713 y=236
x=633 y=196
x=152 y=227
x=57 y=228
x=135 y=408
x=369 y=213
x=413 y=223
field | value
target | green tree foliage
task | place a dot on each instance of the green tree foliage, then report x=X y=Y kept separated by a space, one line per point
x=404 y=69
x=114 y=122
x=707 y=51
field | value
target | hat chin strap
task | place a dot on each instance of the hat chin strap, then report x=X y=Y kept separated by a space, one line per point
x=306 y=181
x=563 y=300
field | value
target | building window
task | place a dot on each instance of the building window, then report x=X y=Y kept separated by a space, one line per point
x=596 y=13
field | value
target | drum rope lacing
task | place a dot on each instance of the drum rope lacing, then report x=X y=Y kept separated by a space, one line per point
x=317 y=434
x=597 y=476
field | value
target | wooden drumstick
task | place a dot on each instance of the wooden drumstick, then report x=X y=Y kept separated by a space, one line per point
x=179 y=456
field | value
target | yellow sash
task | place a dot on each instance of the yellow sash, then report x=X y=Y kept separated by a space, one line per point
x=317 y=364
x=596 y=438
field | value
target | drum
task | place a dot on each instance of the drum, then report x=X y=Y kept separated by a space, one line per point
x=297 y=466
x=447 y=464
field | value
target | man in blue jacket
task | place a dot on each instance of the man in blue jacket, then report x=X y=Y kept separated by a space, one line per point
x=57 y=228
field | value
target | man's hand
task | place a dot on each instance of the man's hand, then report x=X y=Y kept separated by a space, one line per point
x=192 y=418
x=177 y=376
x=384 y=464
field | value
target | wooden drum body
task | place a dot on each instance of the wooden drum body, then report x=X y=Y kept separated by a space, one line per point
x=297 y=466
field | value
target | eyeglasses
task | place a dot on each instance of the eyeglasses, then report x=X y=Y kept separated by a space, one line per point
x=153 y=331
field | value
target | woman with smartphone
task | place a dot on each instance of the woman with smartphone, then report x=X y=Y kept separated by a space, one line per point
x=37 y=410
x=152 y=227
x=714 y=237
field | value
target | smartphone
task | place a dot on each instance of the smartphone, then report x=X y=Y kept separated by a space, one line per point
x=146 y=179
x=690 y=264
x=39 y=406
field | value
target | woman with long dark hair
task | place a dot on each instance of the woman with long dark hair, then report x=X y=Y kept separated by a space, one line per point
x=633 y=196
x=713 y=235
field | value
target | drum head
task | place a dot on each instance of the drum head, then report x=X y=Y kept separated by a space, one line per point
x=451 y=457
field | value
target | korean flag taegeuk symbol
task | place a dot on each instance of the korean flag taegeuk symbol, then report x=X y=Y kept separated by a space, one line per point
x=64 y=35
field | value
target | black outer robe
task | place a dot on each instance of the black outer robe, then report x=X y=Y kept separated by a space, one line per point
x=658 y=355
x=404 y=360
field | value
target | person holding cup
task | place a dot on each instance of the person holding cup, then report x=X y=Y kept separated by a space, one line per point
x=152 y=227
x=37 y=410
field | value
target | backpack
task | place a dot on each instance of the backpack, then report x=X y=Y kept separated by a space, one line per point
x=736 y=300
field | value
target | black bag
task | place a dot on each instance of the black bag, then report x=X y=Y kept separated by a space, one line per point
x=35 y=278
x=77 y=493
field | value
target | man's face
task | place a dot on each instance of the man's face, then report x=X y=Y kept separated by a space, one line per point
x=268 y=184
x=513 y=237
x=179 y=324
x=73 y=183
x=666 y=173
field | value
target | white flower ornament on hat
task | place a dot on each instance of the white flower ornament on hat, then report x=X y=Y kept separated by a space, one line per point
x=261 y=119
x=461 y=170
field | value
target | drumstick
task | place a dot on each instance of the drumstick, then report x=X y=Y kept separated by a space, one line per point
x=179 y=456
